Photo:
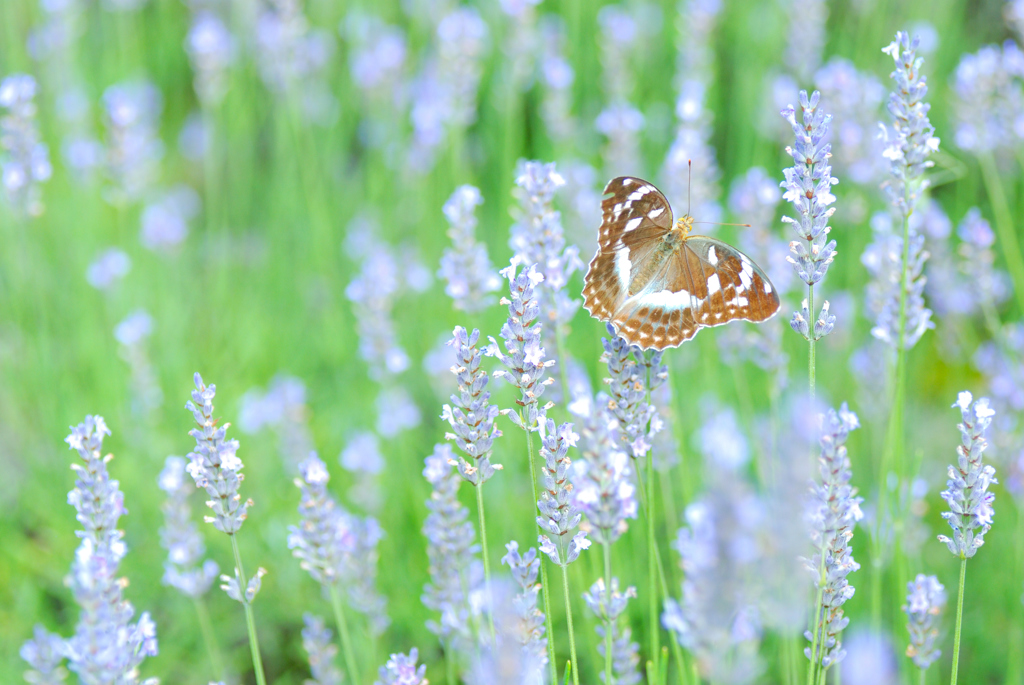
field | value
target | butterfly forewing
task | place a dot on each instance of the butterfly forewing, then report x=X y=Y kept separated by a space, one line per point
x=704 y=282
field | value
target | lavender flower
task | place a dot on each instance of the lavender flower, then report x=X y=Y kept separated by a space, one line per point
x=871 y=659
x=832 y=513
x=537 y=238
x=521 y=41
x=717 y=618
x=455 y=571
x=556 y=78
x=608 y=607
x=106 y=646
x=180 y=536
x=808 y=186
x=44 y=654
x=211 y=50
x=397 y=411
x=970 y=503
x=134 y=148
x=912 y=137
x=283 y=409
x=926 y=599
x=603 y=479
x=316 y=640
x=131 y=333
x=465 y=266
x=559 y=514
x=165 y=221
x=524 y=360
x=806 y=36
x=26 y=160
x=462 y=43
x=854 y=98
x=621 y=124
x=986 y=284
x=362 y=454
x=528 y=630
x=619 y=34
x=402 y=670
x=627 y=384
x=378 y=54
x=989 y=96
x=108 y=268
x=470 y=414
x=884 y=260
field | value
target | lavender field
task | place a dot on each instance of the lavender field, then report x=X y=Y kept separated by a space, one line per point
x=312 y=272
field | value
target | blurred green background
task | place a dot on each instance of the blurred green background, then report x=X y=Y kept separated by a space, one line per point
x=258 y=288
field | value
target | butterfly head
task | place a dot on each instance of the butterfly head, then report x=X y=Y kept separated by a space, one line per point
x=684 y=225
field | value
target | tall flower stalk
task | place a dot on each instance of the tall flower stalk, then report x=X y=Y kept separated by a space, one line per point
x=926 y=600
x=970 y=503
x=471 y=417
x=525 y=368
x=832 y=513
x=909 y=141
x=215 y=467
x=808 y=186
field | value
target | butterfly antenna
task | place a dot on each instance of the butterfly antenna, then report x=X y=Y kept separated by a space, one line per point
x=715 y=223
x=689 y=175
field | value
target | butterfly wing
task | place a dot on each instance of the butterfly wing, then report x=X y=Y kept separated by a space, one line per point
x=707 y=283
x=635 y=216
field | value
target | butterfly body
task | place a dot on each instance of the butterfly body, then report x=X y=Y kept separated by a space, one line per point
x=657 y=284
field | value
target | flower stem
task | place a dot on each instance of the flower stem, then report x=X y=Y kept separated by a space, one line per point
x=346 y=640
x=651 y=560
x=572 y=637
x=552 y=663
x=959 y=619
x=483 y=552
x=209 y=639
x=1004 y=225
x=250 y=619
x=608 y=598
x=810 y=339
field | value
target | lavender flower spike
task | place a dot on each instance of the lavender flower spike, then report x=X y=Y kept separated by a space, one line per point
x=524 y=360
x=316 y=640
x=627 y=383
x=44 y=654
x=180 y=536
x=106 y=647
x=808 y=186
x=402 y=670
x=470 y=414
x=926 y=598
x=465 y=266
x=529 y=629
x=26 y=161
x=970 y=502
x=559 y=513
x=608 y=606
x=214 y=465
x=912 y=137
x=324 y=539
x=832 y=513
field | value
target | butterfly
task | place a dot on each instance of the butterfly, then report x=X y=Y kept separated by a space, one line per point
x=656 y=284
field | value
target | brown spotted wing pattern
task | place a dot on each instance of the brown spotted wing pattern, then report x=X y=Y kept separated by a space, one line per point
x=658 y=285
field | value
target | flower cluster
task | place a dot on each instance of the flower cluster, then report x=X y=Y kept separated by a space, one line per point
x=808 y=186
x=556 y=78
x=603 y=479
x=529 y=628
x=211 y=50
x=608 y=604
x=282 y=407
x=559 y=514
x=316 y=640
x=970 y=503
x=455 y=571
x=214 y=464
x=832 y=513
x=926 y=599
x=912 y=137
x=465 y=266
x=986 y=284
x=401 y=669
x=524 y=359
x=134 y=148
x=26 y=160
x=806 y=36
x=854 y=98
x=165 y=221
x=537 y=238
x=470 y=414
x=628 y=380
x=181 y=537
x=44 y=654
x=989 y=94
x=106 y=646
x=109 y=267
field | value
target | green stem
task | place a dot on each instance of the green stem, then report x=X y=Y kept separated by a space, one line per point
x=346 y=640
x=209 y=639
x=563 y=367
x=818 y=623
x=651 y=561
x=552 y=663
x=483 y=552
x=959 y=619
x=1004 y=225
x=810 y=338
x=250 y=619
x=921 y=676
x=572 y=637
x=608 y=599
x=449 y=667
